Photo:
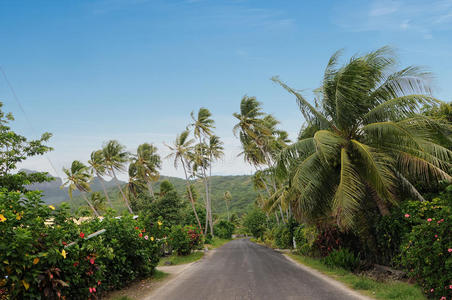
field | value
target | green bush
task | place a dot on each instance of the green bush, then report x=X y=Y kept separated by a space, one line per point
x=342 y=258
x=224 y=229
x=255 y=222
x=46 y=255
x=426 y=252
x=184 y=239
x=305 y=236
x=283 y=237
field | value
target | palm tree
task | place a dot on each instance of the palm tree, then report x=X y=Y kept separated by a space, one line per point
x=147 y=162
x=97 y=167
x=78 y=178
x=115 y=157
x=227 y=199
x=180 y=152
x=202 y=128
x=369 y=139
x=260 y=139
x=214 y=152
x=98 y=201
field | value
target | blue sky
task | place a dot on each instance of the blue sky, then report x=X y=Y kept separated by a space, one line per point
x=89 y=71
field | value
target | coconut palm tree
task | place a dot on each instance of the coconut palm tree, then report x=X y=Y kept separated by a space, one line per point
x=179 y=153
x=98 y=201
x=147 y=162
x=369 y=139
x=97 y=167
x=214 y=152
x=115 y=158
x=202 y=126
x=78 y=178
x=227 y=199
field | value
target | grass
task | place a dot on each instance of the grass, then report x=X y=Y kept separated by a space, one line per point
x=159 y=275
x=179 y=260
x=216 y=242
x=393 y=290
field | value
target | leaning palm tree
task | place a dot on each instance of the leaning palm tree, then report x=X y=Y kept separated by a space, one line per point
x=369 y=139
x=78 y=178
x=97 y=167
x=202 y=126
x=98 y=201
x=179 y=153
x=115 y=157
x=147 y=162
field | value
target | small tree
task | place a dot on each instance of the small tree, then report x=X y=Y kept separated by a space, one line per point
x=255 y=223
x=14 y=149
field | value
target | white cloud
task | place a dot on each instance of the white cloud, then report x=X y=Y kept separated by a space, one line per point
x=422 y=17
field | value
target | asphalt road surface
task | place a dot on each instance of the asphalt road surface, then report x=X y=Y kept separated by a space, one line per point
x=243 y=270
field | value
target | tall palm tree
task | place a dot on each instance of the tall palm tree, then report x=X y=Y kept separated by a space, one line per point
x=369 y=140
x=214 y=152
x=115 y=158
x=260 y=139
x=97 y=167
x=147 y=162
x=227 y=199
x=202 y=126
x=78 y=178
x=179 y=153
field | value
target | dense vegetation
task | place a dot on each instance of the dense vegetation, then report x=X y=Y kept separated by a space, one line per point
x=367 y=180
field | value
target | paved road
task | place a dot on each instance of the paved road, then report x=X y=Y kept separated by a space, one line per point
x=243 y=270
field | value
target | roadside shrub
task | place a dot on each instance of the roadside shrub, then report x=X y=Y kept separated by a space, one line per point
x=342 y=258
x=184 y=239
x=283 y=237
x=305 y=236
x=426 y=252
x=45 y=254
x=255 y=223
x=224 y=229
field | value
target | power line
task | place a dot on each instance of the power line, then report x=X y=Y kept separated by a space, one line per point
x=13 y=92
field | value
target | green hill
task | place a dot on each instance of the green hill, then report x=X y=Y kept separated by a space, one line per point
x=240 y=187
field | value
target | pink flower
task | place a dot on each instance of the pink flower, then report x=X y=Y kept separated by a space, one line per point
x=431 y=291
x=442 y=298
x=442 y=220
x=450 y=286
x=94 y=289
x=449 y=250
x=429 y=219
x=407 y=215
x=91 y=260
x=436 y=235
x=146 y=237
x=98 y=283
x=91 y=290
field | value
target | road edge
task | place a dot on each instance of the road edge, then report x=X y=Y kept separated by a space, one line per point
x=337 y=284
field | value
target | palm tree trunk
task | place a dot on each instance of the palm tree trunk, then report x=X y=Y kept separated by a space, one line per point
x=151 y=191
x=210 y=200
x=90 y=204
x=105 y=190
x=282 y=214
x=227 y=209
x=122 y=193
x=190 y=194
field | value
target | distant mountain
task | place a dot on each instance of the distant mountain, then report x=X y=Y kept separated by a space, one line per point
x=52 y=193
x=240 y=187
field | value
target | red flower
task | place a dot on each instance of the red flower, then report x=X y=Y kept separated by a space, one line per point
x=91 y=261
x=75 y=263
x=137 y=228
x=407 y=215
x=82 y=235
x=91 y=290
x=429 y=219
x=140 y=235
x=98 y=283
x=144 y=230
x=94 y=289
x=64 y=243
